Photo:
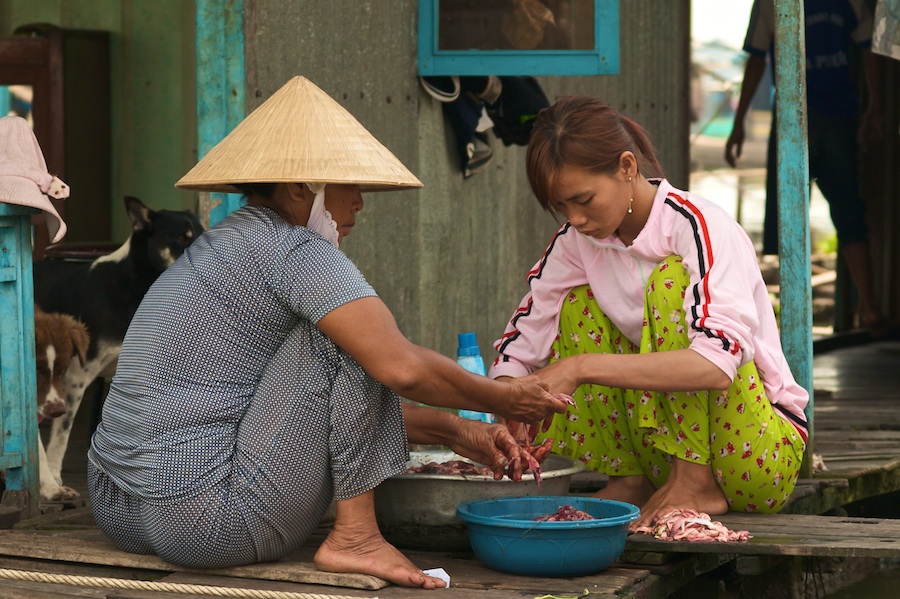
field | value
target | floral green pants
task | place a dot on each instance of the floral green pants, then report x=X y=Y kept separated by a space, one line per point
x=754 y=453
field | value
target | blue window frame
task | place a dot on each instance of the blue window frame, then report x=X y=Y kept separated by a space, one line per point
x=518 y=37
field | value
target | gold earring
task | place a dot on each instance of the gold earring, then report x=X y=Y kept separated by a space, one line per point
x=631 y=205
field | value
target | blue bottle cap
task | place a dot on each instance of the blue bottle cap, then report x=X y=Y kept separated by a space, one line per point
x=468 y=346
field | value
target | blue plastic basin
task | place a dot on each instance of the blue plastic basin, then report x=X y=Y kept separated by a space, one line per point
x=505 y=536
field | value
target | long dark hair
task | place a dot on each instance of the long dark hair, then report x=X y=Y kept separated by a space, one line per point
x=583 y=132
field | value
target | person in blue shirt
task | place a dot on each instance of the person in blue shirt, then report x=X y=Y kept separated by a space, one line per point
x=835 y=30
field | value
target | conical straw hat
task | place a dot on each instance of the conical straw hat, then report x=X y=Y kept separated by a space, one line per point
x=300 y=135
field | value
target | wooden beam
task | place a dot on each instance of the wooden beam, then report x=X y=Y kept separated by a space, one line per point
x=221 y=88
x=793 y=199
x=18 y=384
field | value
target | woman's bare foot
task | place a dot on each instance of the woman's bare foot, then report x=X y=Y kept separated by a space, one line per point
x=355 y=545
x=689 y=485
x=636 y=489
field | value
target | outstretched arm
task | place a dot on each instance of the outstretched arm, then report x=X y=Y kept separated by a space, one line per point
x=366 y=330
x=677 y=370
x=753 y=73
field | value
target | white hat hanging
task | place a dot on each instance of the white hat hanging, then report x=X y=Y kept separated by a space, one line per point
x=24 y=179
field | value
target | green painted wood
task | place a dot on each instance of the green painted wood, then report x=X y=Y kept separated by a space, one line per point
x=221 y=102
x=793 y=197
x=10 y=460
x=152 y=96
x=18 y=387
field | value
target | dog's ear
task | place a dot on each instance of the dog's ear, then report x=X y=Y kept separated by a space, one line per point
x=141 y=217
x=80 y=340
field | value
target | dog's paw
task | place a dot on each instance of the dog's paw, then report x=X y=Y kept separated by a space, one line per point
x=60 y=493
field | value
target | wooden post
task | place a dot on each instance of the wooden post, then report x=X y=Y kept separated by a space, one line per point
x=793 y=199
x=18 y=386
x=221 y=96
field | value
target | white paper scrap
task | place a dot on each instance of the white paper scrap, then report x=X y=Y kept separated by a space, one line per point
x=439 y=573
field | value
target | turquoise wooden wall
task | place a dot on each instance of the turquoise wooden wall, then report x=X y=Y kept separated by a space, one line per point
x=18 y=386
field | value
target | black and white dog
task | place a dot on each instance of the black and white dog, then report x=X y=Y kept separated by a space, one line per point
x=104 y=295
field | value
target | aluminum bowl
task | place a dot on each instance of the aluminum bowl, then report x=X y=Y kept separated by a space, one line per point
x=418 y=511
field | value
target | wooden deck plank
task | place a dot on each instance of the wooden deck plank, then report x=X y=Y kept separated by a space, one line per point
x=857 y=432
x=297 y=567
x=792 y=534
x=466 y=573
x=31 y=590
x=391 y=592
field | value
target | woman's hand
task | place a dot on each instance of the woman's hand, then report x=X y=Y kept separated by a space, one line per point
x=524 y=433
x=488 y=444
x=562 y=375
x=675 y=370
x=530 y=401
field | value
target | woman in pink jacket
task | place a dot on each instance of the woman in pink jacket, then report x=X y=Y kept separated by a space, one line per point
x=649 y=308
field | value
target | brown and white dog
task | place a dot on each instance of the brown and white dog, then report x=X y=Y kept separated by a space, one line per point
x=58 y=339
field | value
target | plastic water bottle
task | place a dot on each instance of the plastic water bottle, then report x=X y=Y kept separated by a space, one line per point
x=469 y=357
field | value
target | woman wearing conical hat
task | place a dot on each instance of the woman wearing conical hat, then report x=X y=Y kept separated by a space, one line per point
x=259 y=378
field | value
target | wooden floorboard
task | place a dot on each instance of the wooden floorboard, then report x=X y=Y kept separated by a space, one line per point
x=467 y=572
x=793 y=534
x=33 y=549
x=856 y=431
x=47 y=545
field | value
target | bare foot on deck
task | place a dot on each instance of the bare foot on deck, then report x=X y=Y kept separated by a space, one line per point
x=873 y=322
x=373 y=556
x=355 y=545
x=636 y=489
x=689 y=485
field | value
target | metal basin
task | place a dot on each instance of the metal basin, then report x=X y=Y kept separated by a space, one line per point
x=418 y=511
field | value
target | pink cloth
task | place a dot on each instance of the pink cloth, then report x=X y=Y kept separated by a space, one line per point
x=24 y=179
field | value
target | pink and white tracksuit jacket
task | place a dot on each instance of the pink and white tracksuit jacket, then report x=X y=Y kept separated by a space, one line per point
x=729 y=313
